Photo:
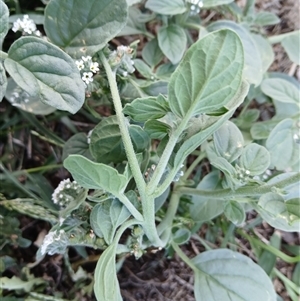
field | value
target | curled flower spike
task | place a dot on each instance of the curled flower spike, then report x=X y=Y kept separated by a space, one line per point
x=65 y=193
x=54 y=242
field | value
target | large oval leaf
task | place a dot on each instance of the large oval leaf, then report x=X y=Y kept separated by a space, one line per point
x=84 y=27
x=281 y=90
x=253 y=65
x=228 y=141
x=4 y=13
x=255 y=159
x=291 y=45
x=283 y=148
x=106 y=142
x=230 y=276
x=209 y=75
x=95 y=175
x=203 y=209
x=172 y=42
x=106 y=217
x=45 y=71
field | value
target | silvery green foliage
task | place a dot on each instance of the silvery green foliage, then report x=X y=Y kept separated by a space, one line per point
x=184 y=103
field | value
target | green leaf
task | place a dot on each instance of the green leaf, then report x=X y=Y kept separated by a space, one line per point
x=209 y=76
x=283 y=149
x=212 y=3
x=274 y=204
x=21 y=99
x=165 y=71
x=106 y=143
x=92 y=175
x=201 y=208
x=3 y=82
x=255 y=159
x=281 y=90
x=253 y=70
x=45 y=71
x=29 y=207
x=228 y=141
x=266 y=51
x=230 y=276
x=267 y=260
x=143 y=109
x=235 y=213
x=166 y=7
x=84 y=27
x=273 y=210
x=151 y=53
x=172 y=41
x=157 y=129
x=143 y=69
x=106 y=217
x=262 y=130
x=264 y=18
x=293 y=208
x=4 y=13
x=181 y=236
x=106 y=286
x=158 y=87
x=291 y=45
x=77 y=145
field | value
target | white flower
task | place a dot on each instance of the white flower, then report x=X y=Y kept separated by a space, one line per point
x=87 y=77
x=86 y=58
x=79 y=64
x=94 y=67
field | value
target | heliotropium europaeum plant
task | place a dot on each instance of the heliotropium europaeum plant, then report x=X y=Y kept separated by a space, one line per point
x=186 y=109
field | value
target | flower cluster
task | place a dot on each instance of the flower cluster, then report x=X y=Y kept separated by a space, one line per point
x=121 y=60
x=88 y=68
x=26 y=26
x=195 y=6
x=65 y=193
x=55 y=242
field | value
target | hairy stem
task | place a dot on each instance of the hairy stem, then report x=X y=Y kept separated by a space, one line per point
x=146 y=199
x=247 y=191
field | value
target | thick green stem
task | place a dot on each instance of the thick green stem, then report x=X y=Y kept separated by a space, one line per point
x=248 y=191
x=123 y=124
x=166 y=224
x=135 y=213
x=287 y=281
x=269 y=248
x=146 y=199
x=165 y=157
x=184 y=257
